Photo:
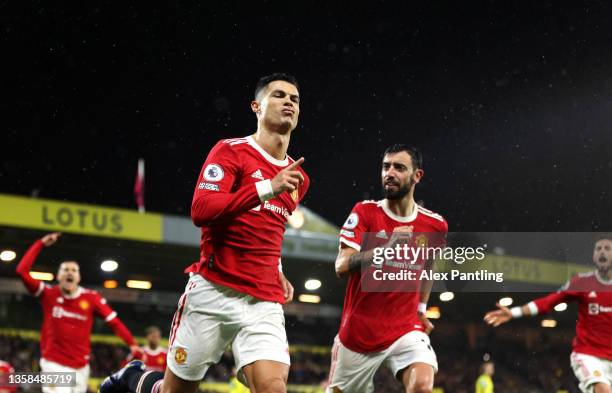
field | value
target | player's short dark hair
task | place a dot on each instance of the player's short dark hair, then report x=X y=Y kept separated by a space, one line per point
x=415 y=153
x=69 y=261
x=152 y=329
x=277 y=76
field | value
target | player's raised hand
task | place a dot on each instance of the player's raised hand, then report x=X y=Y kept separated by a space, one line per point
x=497 y=317
x=288 y=179
x=51 y=238
x=137 y=352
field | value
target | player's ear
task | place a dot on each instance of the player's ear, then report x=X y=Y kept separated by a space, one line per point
x=418 y=175
x=255 y=107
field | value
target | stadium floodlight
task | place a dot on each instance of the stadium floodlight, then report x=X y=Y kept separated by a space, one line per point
x=433 y=313
x=297 y=219
x=42 y=276
x=549 y=323
x=109 y=265
x=7 y=255
x=561 y=307
x=138 y=284
x=111 y=284
x=312 y=284
x=506 y=301
x=308 y=298
x=447 y=296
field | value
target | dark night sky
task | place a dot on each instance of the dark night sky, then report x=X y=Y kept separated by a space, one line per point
x=511 y=102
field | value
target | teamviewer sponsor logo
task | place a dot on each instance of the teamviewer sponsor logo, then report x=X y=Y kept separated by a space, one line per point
x=276 y=209
x=59 y=312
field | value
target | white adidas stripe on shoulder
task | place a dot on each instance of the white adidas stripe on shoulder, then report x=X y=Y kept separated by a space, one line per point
x=430 y=213
x=586 y=274
x=235 y=141
x=369 y=201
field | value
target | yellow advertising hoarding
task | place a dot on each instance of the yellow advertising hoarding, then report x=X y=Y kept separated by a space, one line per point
x=49 y=215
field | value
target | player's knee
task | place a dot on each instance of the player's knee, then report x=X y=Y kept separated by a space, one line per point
x=601 y=388
x=419 y=387
x=271 y=385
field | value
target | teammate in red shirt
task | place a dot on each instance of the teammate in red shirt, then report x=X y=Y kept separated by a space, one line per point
x=5 y=370
x=591 y=357
x=246 y=190
x=386 y=327
x=153 y=354
x=68 y=314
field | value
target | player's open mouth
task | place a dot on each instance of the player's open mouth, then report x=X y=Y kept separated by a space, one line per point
x=69 y=279
x=603 y=259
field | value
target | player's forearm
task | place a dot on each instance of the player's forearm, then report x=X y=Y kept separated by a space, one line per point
x=25 y=264
x=426 y=285
x=545 y=304
x=351 y=263
x=210 y=207
x=122 y=331
x=425 y=291
x=28 y=259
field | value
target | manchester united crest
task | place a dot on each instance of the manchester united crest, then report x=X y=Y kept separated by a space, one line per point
x=84 y=304
x=421 y=241
x=180 y=356
x=295 y=194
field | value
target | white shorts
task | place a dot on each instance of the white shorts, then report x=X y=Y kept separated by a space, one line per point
x=353 y=372
x=591 y=370
x=210 y=317
x=82 y=377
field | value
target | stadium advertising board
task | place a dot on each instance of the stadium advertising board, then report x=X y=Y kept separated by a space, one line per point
x=79 y=218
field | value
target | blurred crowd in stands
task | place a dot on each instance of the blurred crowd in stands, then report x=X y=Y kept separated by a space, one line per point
x=540 y=366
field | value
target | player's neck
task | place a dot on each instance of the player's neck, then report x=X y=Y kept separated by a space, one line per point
x=403 y=207
x=68 y=292
x=152 y=347
x=274 y=143
x=605 y=275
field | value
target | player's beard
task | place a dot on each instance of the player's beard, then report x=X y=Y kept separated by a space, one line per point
x=603 y=267
x=399 y=193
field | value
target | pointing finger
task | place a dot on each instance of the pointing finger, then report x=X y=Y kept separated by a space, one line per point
x=295 y=164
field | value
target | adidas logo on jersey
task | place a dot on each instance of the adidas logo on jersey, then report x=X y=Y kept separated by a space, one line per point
x=592 y=294
x=257 y=175
x=382 y=234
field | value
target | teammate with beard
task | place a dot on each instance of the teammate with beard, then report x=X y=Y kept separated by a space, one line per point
x=390 y=327
x=591 y=357
x=68 y=313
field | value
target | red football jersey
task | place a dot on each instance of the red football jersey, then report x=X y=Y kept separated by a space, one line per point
x=67 y=323
x=594 y=297
x=372 y=321
x=5 y=369
x=242 y=236
x=67 y=319
x=155 y=359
